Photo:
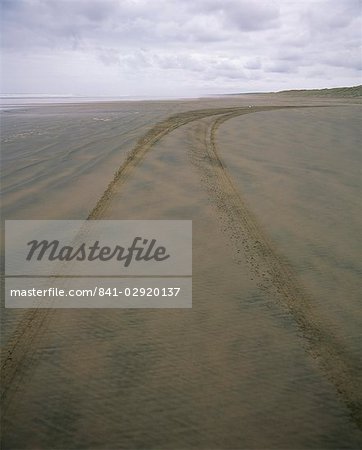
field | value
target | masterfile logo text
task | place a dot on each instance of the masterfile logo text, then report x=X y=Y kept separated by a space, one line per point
x=128 y=263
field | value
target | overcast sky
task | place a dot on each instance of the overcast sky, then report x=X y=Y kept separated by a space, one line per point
x=178 y=47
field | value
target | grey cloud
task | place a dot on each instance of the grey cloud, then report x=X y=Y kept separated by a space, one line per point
x=220 y=41
x=51 y=23
x=181 y=61
x=251 y=16
x=331 y=14
x=253 y=64
x=281 y=67
x=245 y=15
x=228 y=70
x=351 y=60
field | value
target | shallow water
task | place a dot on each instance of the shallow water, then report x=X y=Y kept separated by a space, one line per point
x=66 y=155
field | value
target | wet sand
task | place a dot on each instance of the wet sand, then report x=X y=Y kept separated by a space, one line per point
x=268 y=357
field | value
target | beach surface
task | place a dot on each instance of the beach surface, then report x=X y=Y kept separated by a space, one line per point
x=269 y=356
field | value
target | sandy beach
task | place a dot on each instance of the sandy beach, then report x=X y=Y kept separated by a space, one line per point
x=269 y=356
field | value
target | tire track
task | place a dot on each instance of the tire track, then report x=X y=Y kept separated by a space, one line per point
x=152 y=137
x=273 y=273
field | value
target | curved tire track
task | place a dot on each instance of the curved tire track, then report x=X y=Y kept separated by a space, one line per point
x=152 y=137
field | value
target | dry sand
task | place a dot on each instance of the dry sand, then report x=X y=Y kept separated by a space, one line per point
x=269 y=356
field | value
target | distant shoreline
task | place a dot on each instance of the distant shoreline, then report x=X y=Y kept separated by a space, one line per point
x=27 y=98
